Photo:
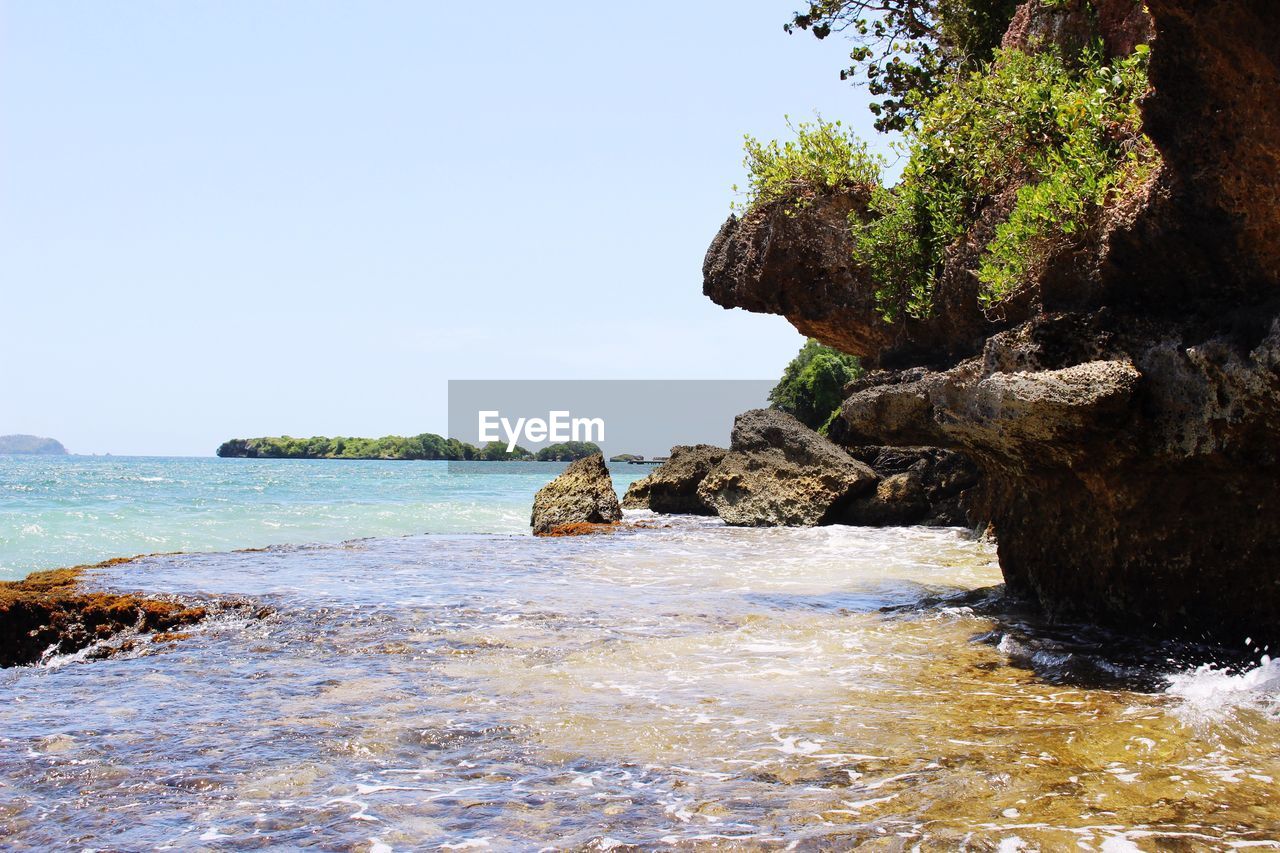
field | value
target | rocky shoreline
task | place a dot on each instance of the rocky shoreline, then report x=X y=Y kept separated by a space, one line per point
x=776 y=472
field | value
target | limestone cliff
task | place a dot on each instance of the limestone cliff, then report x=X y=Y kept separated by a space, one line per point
x=1125 y=409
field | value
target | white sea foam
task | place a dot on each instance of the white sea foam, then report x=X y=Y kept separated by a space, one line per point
x=1209 y=693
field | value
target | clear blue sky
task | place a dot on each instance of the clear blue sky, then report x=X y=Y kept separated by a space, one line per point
x=229 y=219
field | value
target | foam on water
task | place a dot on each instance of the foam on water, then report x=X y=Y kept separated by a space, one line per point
x=688 y=685
x=1211 y=693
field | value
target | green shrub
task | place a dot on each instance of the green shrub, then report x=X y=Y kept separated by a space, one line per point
x=812 y=385
x=822 y=157
x=901 y=245
x=1099 y=152
x=1069 y=132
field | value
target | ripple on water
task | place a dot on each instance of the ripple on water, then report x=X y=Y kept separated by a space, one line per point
x=691 y=685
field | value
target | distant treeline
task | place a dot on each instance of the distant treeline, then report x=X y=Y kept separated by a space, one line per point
x=425 y=446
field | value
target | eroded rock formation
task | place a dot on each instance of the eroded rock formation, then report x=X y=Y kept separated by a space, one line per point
x=780 y=473
x=914 y=485
x=583 y=494
x=1125 y=411
x=798 y=263
x=673 y=485
x=918 y=485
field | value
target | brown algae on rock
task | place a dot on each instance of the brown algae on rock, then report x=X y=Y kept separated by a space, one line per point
x=49 y=613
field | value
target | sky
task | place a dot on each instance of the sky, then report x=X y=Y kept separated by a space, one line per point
x=264 y=217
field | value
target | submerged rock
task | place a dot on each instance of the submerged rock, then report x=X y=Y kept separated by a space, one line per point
x=673 y=485
x=780 y=473
x=48 y=614
x=583 y=494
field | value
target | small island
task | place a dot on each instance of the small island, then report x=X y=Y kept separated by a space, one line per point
x=31 y=445
x=428 y=446
x=567 y=451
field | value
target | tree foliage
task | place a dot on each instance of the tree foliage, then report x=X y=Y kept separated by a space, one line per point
x=425 y=446
x=812 y=385
x=567 y=451
x=496 y=451
x=905 y=51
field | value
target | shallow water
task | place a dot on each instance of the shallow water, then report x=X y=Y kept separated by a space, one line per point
x=690 y=685
x=61 y=511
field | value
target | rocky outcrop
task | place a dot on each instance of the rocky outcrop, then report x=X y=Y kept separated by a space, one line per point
x=918 y=485
x=780 y=473
x=583 y=494
x=47 y=614
x=774 y=262
x=1125 y=414
x=1139 y=489
x=673 y=485
x=777 y=260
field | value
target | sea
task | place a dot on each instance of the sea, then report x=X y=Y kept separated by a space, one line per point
x=394 y=663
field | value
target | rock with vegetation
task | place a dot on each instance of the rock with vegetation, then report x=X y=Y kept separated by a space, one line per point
x=672 y=487
x=780 y=473
x=31 y=445
x=1074 y=282
x=583 y=494
x=626 y=457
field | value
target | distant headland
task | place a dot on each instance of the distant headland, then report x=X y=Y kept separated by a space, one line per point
x=391 y=447
x=31 y=445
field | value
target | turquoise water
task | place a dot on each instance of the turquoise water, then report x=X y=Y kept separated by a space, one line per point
x=59 y=511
